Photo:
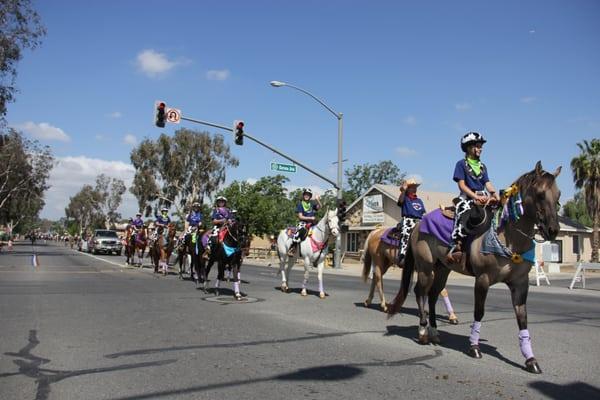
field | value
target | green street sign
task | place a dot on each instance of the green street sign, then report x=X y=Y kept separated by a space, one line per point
x=283 y=167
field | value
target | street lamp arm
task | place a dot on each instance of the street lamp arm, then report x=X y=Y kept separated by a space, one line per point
x=336 y=114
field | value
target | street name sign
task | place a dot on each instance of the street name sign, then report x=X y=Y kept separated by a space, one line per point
x=283 y=167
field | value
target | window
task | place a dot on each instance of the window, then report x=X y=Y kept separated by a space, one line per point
x=560 y=250
x=576 y=245
x=352 y=242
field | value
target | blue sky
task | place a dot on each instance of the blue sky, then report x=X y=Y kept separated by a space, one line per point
x=410 y=78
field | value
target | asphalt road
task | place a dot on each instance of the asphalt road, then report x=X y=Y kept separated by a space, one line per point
x=83 y=327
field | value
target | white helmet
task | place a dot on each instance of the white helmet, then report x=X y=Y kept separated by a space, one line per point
x=307 y=191
x=222 y=198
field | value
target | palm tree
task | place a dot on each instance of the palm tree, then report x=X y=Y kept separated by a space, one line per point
x=586 y=174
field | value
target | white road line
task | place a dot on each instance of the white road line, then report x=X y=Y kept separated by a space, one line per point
x=101 y=259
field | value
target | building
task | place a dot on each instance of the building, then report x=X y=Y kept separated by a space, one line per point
x=378 y=207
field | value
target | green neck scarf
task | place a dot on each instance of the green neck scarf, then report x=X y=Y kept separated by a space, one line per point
x=475 y=165
x=307 y=206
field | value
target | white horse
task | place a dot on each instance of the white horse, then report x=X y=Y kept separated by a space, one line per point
x=312 y=250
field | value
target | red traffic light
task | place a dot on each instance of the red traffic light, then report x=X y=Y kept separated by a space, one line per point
x=161 y=105
x=240 y=125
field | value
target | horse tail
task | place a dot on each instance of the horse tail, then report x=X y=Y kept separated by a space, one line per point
x=407 y=272
x=366 y=259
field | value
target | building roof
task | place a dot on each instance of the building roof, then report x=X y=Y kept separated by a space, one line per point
x=569 y=225
x=432 y=200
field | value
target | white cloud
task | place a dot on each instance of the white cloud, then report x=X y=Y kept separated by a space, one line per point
x=116 y=114
x=252 y=181
x=217 y=74
x=532 y=31
x=70 y=174
x=153 y=63
x=130 y=139
x=99 y=137
x=44 y=131
x=462 y=106
x=410 y=120
x=405 y=151
x=528 y=99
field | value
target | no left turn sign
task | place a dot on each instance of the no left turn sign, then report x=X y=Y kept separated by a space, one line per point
x=173 y=115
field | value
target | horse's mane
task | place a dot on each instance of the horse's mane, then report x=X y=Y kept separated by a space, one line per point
x=527 y=179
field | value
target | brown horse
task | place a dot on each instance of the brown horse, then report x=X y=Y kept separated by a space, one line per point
x=427 y=254
x=378 y=256
x=162 y=248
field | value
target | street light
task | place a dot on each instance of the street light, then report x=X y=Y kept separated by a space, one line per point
x=339 y=116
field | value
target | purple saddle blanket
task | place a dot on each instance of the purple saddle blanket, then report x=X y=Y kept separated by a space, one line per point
x=436 y=224
x=387 y=239
x=205 y=239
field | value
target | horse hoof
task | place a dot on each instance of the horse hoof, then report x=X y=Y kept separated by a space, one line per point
x=423 y=339
x=474 y=352
x=303 y=292
x=367 y=303
x=384 y=307
x=322 y=295
x=532 y=366
x=238 y=296
x=284 y=288
x=453 y=320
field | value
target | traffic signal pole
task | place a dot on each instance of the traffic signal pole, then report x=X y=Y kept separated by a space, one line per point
x=273 y=149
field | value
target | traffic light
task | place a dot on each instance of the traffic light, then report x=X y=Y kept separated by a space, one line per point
x=341 y=210
x=238 y=132
x=161 y=108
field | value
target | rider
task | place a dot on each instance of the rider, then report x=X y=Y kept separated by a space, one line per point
x=412 y=211
x=475 y=187
x=162 y=219
x=194 y=218
x=136 y=224
x=306 y=211
x=221 y=213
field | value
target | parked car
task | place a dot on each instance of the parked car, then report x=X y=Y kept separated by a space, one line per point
x=105 y=241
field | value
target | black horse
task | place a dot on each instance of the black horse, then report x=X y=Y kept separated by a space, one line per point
x=229 y=254
x=192 y=246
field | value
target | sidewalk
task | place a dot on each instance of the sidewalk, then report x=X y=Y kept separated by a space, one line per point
x=355 y=269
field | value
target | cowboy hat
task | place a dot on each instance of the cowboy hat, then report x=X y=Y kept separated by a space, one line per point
x=412 y=182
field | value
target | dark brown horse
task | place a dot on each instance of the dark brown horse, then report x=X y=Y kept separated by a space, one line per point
x=427 y=255
x=138 y=243
x=378 y=257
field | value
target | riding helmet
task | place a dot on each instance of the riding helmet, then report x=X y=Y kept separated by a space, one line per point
x=307 y=191
x=471 y=138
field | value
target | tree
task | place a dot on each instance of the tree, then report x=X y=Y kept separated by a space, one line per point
x=25 y=171
x=178 y=170
x=586 y=174
x=110 y=193
x=264 y=205
x=362 y=176
x=85 y=209
x=20 y=28
x=576 y=210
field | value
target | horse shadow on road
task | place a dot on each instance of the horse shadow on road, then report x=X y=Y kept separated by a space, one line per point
x=309 y=292
x=573 y=390
x=450 y=341
x=31 y=366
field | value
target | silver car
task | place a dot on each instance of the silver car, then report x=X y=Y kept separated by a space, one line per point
x=105 y=241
